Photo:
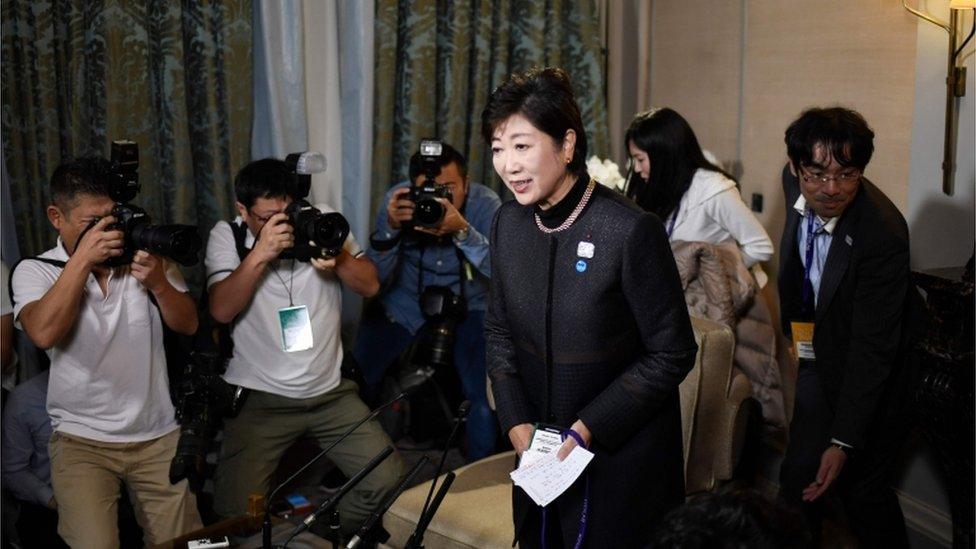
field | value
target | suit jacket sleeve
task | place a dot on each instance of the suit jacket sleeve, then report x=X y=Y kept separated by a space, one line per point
x=511 y=401
x=883 y=277
x=652 y=289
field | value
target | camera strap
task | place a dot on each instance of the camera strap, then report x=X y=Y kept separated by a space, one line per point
x=240 y=235
x=57 y=263
x=461 y=271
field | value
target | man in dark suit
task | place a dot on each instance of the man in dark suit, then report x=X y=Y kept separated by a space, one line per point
x=851 y=311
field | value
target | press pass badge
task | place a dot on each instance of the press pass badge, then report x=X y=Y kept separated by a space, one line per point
x=803 y=340
x=296 y=328
x=546 y=439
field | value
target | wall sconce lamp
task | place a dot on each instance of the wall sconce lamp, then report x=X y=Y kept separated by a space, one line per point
x=955 y=81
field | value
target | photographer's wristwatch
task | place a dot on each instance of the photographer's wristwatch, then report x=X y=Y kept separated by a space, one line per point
x=462 y=235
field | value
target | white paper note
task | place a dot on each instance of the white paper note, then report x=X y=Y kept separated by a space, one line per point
x=546 y=478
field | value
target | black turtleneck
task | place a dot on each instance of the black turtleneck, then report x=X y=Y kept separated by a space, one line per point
x=555 y=215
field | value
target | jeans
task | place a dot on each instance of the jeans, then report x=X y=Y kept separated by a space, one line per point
x=381 y=340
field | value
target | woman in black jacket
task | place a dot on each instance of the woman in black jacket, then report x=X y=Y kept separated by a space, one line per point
x=587 y=326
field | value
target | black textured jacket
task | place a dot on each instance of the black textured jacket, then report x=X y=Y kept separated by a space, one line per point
x=605 y=339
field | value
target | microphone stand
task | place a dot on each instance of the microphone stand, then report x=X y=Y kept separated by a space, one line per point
x=334 y=500
x=266 y=524
x=462 y=413
x=417 y=538
x=375 y=516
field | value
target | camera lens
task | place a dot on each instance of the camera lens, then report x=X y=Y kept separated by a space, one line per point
x=329 y=230
x=428 y=212
x=179 y=242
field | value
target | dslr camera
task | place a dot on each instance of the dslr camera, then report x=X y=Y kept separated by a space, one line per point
x=181 y=243
x=327 y=230
x=203 y=400
x=443 y=310
x=427 y=210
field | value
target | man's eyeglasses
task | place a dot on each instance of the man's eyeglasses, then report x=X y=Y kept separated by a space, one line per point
x=846 y=177
x=261 y=219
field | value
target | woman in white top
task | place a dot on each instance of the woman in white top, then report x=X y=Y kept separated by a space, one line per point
x=696 y=200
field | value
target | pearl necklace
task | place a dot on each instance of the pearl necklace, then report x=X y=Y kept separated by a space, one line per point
x=572 y=216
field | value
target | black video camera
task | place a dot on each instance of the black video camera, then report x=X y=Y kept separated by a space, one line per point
x=181 y=243
x=427 y=210
x=328 y=230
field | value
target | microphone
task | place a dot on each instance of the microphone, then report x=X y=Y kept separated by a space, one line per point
x=266 y=525
x=376 y=515
x=462 y=413
x=349 y=485
x=417 y=538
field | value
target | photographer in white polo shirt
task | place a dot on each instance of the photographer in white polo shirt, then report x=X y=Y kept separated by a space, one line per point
x=108 y=395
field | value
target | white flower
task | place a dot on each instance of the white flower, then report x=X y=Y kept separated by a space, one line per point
x=606 y=173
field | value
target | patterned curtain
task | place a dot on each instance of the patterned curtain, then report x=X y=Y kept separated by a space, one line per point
x=437 y=61
x=175 y=77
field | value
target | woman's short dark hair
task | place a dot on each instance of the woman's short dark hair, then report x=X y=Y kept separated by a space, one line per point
x=265 y=178
x=448 y=155
x=86 y=175
x=844 y=132
x=544 y=97
x=675 y=156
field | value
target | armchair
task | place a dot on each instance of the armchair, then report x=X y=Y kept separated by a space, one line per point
x=715 y=405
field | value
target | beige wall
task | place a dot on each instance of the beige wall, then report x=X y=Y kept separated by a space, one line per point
x=742 y=70
x=695 y=68
x=789 y=55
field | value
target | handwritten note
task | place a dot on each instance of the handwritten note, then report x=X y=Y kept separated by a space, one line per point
x=546 y=478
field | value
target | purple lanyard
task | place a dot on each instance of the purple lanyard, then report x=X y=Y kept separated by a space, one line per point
x=584 y=515
x=674 y=217
x=808 y=294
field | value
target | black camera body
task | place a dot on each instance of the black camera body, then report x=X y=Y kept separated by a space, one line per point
x=427 y=210
x=328 y=230
x=444 y=310
x=203 y=400
x=181 y=243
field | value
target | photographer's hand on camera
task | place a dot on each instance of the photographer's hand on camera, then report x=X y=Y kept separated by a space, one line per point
x=325 y=263
x=400 y=208
x=148 y=269
x=98 y=244
x=453 y=221
x=277 y=235
x=177 y=309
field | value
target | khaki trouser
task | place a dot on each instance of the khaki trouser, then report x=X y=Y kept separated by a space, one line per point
x=87 y=476
x=268 y=424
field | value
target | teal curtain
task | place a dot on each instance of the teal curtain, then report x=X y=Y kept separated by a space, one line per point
x=437 y=61
x=175 y=77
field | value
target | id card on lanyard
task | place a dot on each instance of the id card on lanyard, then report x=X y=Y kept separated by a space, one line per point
x=802 y=330
x=296 y=328
x=545 y=440
x=803 y=340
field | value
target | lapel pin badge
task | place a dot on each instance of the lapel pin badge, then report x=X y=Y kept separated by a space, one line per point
x=849 y=240
x=585 y=249
x=580 y=266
